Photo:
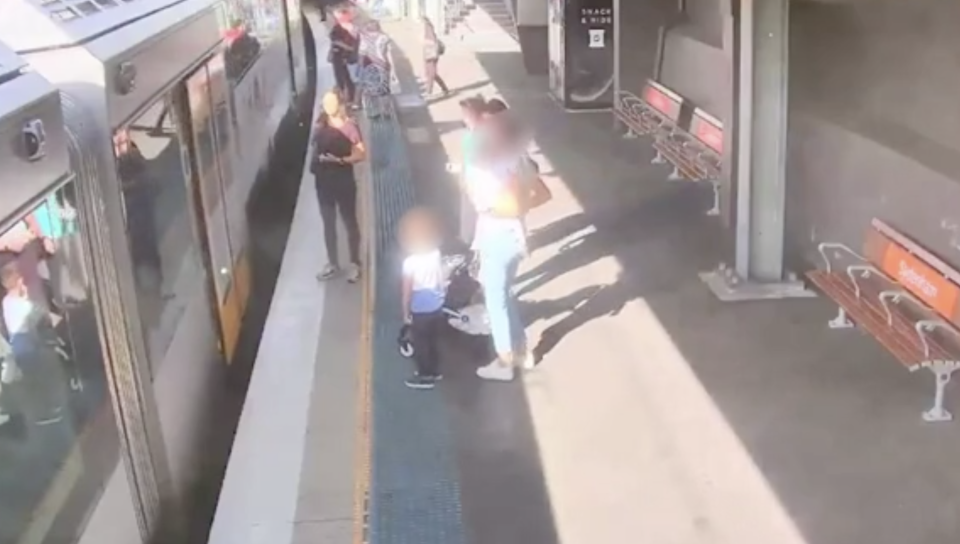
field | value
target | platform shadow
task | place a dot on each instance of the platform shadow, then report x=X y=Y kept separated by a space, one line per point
x=807 y=405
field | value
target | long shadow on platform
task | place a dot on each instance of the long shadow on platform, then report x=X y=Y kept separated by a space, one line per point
x=503 y=492
x=830 y=423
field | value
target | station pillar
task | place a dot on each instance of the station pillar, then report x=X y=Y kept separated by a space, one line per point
x=531 y=18
x=761 y=75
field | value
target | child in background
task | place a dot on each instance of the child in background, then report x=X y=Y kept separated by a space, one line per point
x=423 y=291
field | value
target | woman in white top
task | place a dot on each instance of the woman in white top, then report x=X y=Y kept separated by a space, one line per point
x=502 y=189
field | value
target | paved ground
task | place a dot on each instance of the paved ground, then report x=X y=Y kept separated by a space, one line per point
x=659 y=414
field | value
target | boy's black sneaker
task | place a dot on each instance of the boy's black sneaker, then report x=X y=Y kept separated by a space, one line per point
x=421 y=382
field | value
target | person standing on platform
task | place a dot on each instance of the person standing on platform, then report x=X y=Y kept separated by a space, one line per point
x=337 y=147
x=472 y=111
x=422 y=293
x=502 y=193
x=344 y=47
x=376 y=66
x=433 y=49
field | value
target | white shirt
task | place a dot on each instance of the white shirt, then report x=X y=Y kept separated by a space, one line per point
x=16 y=313
x=425 y=271
x=485 y=184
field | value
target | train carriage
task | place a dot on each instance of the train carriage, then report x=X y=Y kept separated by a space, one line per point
x=158 y=119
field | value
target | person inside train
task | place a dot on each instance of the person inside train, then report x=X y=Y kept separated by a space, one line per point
x=502 y=192
x=433 y=49
x=344 y=55
x=337 y=147
x=423 y=293
x=49 y=216
x=138 y=194
x=25 y=244
x=9 y=375
x=242 y=49
x=57 y=221
x=30 y=332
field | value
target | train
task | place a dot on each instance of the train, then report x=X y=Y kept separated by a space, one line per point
x=133 y=136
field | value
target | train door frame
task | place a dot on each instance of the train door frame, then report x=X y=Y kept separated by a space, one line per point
x=135 y=64
x=111 y=65
x=36 y=168
x=225 y=302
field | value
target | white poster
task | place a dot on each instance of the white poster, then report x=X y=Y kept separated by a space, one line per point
x=597 y=38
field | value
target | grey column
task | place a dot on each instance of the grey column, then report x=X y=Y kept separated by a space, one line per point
x=617 y=125
x=764 y=72
x=762 y=75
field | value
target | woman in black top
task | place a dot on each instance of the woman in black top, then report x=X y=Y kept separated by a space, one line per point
x=337 y=146
x=344 y=46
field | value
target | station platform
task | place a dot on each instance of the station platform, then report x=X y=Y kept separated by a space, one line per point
x=656 y=413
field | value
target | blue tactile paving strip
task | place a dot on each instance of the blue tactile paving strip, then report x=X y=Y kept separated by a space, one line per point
x=414 y=487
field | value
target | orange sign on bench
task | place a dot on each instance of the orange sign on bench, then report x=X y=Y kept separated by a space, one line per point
x=921 y=279
x=708 y=130
x=659 y=100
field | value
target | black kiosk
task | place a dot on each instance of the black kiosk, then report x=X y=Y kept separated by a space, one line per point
x=581 y=53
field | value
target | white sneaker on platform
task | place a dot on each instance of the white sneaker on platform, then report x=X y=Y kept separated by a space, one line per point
x=328 y=272
x=353 y=273
x=496 y=372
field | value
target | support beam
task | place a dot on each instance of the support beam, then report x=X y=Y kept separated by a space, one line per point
x=762 y=73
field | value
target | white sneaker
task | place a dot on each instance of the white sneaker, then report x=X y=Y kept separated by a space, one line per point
x=496 y=372
x=328 y=272
x=353 y=273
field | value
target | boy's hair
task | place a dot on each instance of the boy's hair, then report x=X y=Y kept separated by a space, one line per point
x=495 y=106
x=10 y=276
x=475 y=105
x=418 y=229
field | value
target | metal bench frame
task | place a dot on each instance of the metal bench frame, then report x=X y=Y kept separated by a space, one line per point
x=673 y=145
x=639 y=116
x=862 y=270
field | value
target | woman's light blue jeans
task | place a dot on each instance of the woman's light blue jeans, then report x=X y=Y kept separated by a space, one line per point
x=498 y=272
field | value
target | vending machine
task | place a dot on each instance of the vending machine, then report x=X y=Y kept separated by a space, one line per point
x=581 y=44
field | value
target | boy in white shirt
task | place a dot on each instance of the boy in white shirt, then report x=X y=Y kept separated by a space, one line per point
x=422 y=293
x=31 y=330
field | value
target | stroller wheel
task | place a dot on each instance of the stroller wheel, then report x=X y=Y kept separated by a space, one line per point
x=406 y=349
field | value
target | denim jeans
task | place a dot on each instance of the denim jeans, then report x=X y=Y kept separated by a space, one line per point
x=498 y=272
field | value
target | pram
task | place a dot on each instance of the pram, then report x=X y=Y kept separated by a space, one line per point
x=462 y=305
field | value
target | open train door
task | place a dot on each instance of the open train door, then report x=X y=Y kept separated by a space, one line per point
x=207 y=103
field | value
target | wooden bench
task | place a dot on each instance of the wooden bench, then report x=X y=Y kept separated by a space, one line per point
x=904 y=296
x=688 y=138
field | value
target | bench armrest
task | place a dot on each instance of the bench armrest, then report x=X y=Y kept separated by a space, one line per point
x=823 y=247
x=929 y=325
x=895 y=296
x=866 y=270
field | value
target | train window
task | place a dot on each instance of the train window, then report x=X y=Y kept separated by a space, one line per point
x=159 y=223
x=241 y=49
x=57 y=432
x=250 y=25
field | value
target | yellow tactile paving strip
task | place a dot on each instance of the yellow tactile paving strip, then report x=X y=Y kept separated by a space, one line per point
x=364 y=370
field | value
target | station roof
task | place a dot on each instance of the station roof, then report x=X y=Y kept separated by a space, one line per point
x=33 y=25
